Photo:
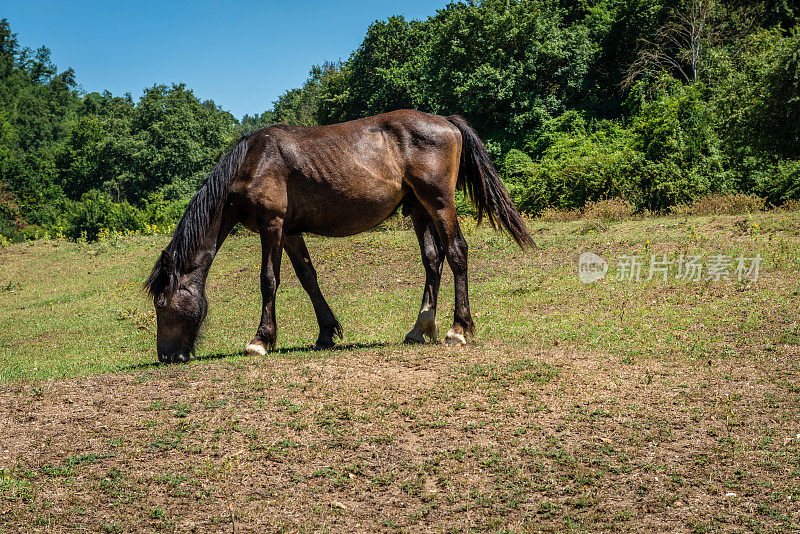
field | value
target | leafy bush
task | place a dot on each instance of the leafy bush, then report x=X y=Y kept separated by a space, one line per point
x=791 y=205
x=673 y=132
x=11 y=221
x=667 y=153
x=558 y=215
x=722 y=204
x=612 y=209
x=780 y=182
x=95 y=212
x=162 y=212
x=575 y=166
x=519 y=174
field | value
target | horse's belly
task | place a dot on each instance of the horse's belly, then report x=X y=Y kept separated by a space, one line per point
x=340 y=211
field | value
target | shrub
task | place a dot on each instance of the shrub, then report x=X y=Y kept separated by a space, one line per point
x=31 y=232
x=463 y=205
x=791 y=205
x=666 y=184
x=559 y=215
x=95 y=212
x=519 y=172
x=575 y=167
x=162 y=212
x=722 y=204
x=612 y=209
x=11 y=221
x=780 y=182
x=673 y=132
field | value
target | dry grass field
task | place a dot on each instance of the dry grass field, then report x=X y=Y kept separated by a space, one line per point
x=623 y=405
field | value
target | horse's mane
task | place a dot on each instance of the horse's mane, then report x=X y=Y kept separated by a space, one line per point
x=193 y=227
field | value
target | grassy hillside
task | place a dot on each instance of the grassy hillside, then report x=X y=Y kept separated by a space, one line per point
x=68 y=309
x=617 y=405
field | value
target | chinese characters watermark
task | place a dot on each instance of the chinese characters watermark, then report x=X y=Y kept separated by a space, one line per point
x=688 y=268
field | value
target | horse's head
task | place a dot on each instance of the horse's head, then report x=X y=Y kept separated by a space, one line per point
x=181 y=306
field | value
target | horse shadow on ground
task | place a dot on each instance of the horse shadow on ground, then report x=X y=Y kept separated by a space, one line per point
x=307 y=349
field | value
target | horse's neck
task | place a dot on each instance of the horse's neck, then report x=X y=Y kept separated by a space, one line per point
x=199 y=262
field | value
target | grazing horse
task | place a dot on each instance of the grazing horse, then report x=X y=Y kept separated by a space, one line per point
x=336 y=180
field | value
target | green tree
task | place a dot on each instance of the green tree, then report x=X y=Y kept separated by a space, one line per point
x=312 y=104
x=78 y=158
x=174 y=140
x=384 y=73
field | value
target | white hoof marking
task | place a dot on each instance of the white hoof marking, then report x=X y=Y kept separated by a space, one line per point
x=455 y=339
x=252 y=348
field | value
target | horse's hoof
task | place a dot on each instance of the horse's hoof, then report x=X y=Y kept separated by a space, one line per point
x=453 y=339
x=324 y=344
x=255 y=349
x=414 y=338
x=174 y=358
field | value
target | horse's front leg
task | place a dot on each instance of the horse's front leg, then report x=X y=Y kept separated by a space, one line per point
x=329 y=327
x=271 y=250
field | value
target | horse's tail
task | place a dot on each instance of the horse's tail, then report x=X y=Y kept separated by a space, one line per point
x=478 y=177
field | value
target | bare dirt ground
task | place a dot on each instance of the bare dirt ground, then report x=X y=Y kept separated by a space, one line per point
x=411 y=439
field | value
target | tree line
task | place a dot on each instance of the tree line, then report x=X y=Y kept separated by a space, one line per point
x=654 y=101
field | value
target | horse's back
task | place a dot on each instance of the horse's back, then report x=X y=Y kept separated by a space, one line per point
x=345 y=178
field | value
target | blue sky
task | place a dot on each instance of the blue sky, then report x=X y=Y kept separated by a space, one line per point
x=240 y=54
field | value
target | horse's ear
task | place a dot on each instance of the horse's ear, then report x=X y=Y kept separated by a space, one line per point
x=163 y=276
x=167 y=263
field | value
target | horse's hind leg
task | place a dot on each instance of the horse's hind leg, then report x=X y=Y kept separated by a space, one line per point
x=439 y=202
x=329 y=327
x=432 y=259
x=456 y=250
x=271 y=232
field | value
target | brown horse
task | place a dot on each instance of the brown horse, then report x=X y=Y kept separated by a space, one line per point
x=334 y=180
